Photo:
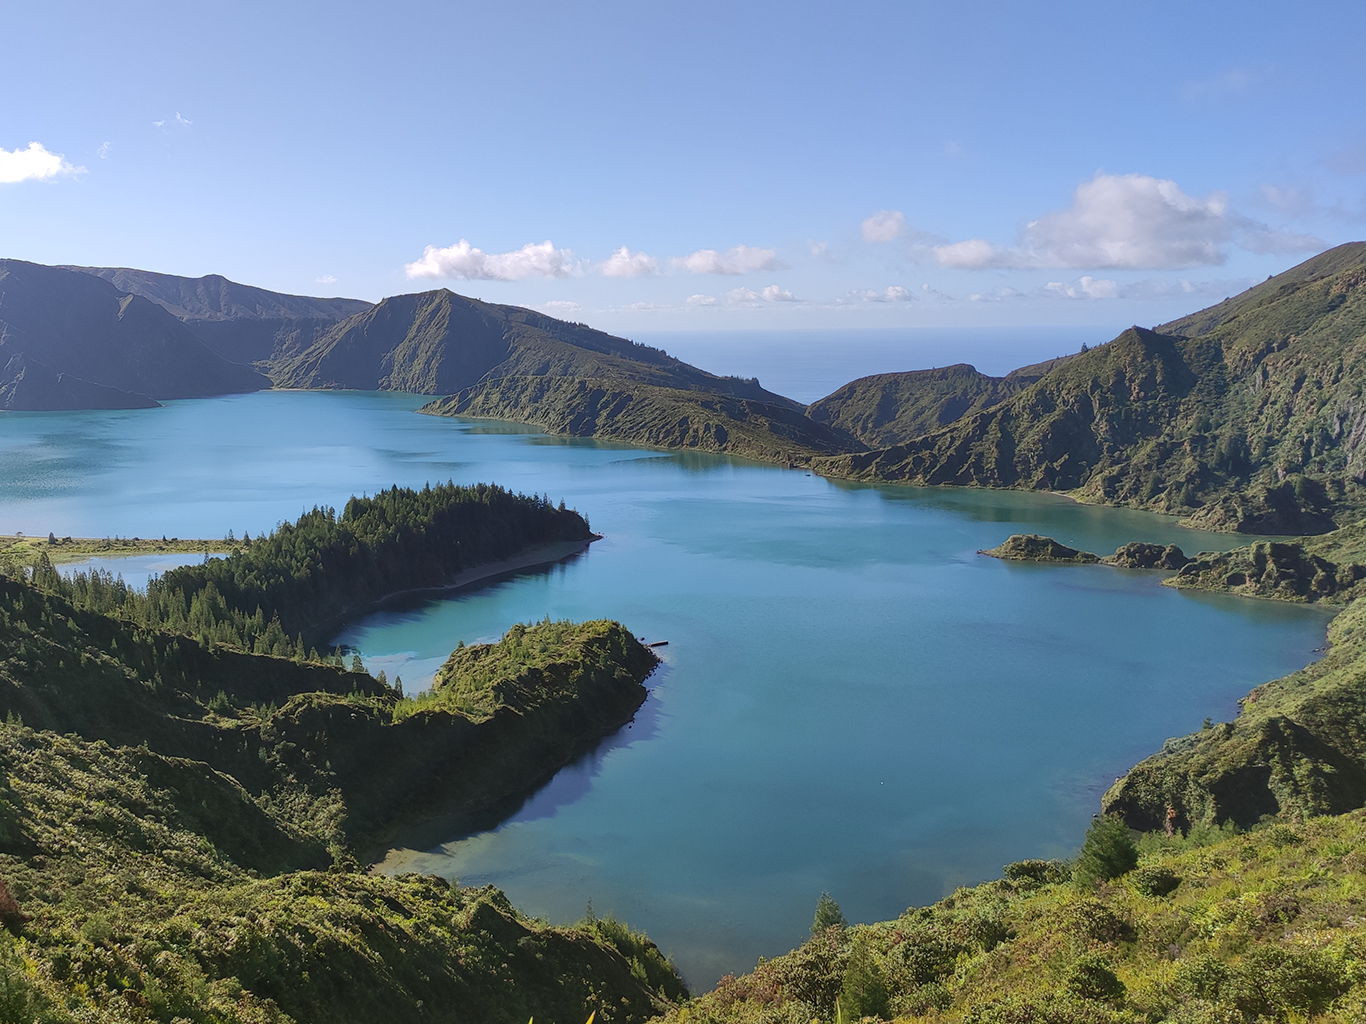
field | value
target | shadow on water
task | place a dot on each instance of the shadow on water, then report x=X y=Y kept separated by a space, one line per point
x=543 y=799
x=411 y=605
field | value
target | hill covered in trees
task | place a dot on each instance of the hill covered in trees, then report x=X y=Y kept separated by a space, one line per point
x=277 y=594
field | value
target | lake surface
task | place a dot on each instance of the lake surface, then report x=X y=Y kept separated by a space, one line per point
x=852 y=700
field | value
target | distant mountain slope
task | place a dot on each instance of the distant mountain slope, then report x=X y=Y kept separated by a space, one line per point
x=892 y=408
x=645 y=414
x=439 y=343
x=79 y=325
x=1253 y=419
x=28 y=385
x=241 y=323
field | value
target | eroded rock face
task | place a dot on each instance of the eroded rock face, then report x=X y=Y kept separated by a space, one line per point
x=1147 y=556
x=1271 y=569
x=1031 y=547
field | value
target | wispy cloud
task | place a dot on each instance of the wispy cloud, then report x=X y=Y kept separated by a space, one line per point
x=1086 y=288
x=884 y=226
x=743 y=259
x=625 y=263
x=465 y=262
x=561 y=307
x=103 y=151
x=1349 y=161
x=1129 y=221
x=325 y=279
x=33 y=164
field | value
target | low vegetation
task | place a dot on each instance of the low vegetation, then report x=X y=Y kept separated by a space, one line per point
x=1218 y=927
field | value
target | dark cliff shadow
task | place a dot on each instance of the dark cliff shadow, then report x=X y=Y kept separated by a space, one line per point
x=541 y=800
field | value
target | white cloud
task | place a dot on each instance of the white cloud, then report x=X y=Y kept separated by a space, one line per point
x=742 y=297
x=1128 y=221
x=772 y=293
x=1086 y=288
x=702 y=300
x=625 y=263
x=561 y=307
x=33 y=164
x=996 y=295
x=884 y=226
x=743 y=259
x=464 y=261
x=894 y=293
x=182 y=121
x=103 y=151
x=974 y=254
x=325 y=279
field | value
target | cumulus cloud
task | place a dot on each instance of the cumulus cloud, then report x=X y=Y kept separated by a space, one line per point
x=894 y=293
x=884 y=226
x=743 y=259
x=325 y=279
x=1128 y=221
x=33 y=164
x=702 y=300
x=772 y=293
x=464 y=261
x=625 y=263
x=1086 y=288
x=742 y=297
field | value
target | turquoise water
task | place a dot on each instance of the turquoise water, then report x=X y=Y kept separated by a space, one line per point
x=853 y=699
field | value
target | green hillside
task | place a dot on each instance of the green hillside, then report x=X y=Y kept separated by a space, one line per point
x=892 y=408
x=438 y=343
x=1243 y=417
x=78 y=325
x=1215 y=928
x=645 y=414
x=179 y=827
x=242 y=323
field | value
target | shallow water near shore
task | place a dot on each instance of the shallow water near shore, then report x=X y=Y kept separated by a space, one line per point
x=852 y=699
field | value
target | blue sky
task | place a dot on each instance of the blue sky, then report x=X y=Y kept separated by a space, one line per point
x=695 y=166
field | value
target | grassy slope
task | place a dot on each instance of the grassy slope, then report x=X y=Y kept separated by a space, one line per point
x=439 y=343
x=1251 y=416
x=1262 y=926
x=77 y=324
x=166 y=847
x=888 y=409
x=138 y=912
x=639 y=413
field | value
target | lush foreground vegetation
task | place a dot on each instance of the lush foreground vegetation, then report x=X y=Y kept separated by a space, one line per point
x=1219 y=927
x=182 y=824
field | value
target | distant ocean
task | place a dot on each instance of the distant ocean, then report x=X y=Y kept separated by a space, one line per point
x=807 y=365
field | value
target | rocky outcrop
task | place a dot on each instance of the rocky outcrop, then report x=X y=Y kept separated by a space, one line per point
x=1031 y=547
x=1271 y=569
x=1138 y=555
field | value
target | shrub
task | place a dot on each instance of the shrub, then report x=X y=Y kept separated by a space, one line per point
x=1037 y=872
x=828 y=915
x=1107 y=852
x=1093 y=977
x=1154 y=881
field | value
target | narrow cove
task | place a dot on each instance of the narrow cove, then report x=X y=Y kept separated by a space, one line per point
x=852 y=700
